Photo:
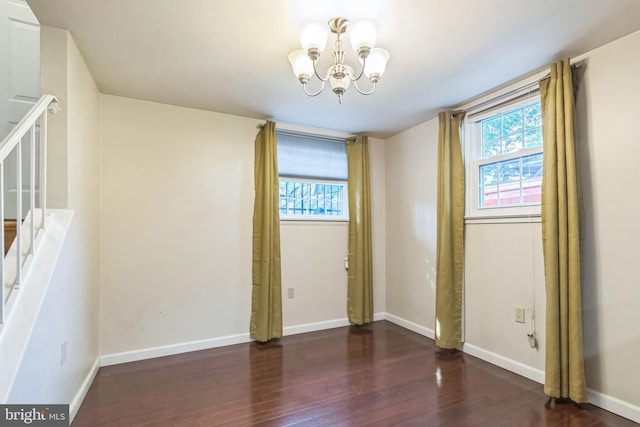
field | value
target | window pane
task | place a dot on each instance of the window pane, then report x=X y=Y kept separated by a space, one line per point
x=509 y=190
x=509 y=194
x=533 y=138
x=489 y=174
x=331 y=207
x=490 y=148
x=510 y=171
x=532 y=116
x=532 y=166
x=512 y=123
x=532 y=191
x=302 y=198
x=318 y=191
x=489 y=196
x=488 y=189
x=491 y=129
x=512 y=143
x=532 y=179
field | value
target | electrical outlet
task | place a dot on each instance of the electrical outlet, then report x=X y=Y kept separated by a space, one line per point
x=520 y=314
x=291 y=292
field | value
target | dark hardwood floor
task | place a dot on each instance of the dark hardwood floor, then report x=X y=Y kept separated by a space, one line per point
x=379 y=375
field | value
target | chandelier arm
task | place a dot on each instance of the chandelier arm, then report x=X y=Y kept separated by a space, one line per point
x=355 y=83
x=315 y=70
x=304 y=87
x=364 y=61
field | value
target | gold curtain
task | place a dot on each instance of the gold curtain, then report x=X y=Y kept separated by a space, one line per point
x=450 y=232
x=564 y=359
x=266 y=299
x=360 y=276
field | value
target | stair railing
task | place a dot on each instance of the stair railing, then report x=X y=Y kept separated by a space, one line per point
x=21 y=251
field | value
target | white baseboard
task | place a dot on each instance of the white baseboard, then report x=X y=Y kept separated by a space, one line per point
x=493 y=358
x=601 y=400
x=169 y=350
x=74 y=406
x=418 y=329
x=617 y=406
x=320 y=326
x=510 y=365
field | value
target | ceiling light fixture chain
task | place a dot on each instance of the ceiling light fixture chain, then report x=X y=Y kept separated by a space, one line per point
x=363 y=36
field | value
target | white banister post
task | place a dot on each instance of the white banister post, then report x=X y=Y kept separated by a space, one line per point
x=43 y=168
x=32 y=189
x=18 y=215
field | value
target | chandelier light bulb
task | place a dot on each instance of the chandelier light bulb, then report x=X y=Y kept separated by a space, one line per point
x=301 y=63
x=362 y=34
x=376 y=63
x=314 y=36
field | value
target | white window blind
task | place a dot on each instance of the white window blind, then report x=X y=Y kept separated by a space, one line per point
x=311 y=157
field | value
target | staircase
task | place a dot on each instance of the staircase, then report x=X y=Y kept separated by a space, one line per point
x=19 y=244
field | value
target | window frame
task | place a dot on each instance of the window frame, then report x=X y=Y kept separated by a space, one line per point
x=472 y=137
x=317 y=218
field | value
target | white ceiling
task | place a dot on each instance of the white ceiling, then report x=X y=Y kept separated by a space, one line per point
x=231 y=56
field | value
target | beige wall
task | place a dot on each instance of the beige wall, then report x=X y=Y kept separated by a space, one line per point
x=503 y=269
x=312 y=263
x=503 y=262
x=70 y=309
x=177 y=201
x=377 y=166
x=313 y=258
x=54 y=76
x=177 y=206
x=608 y=108
x=83 y=150
x=411 y=181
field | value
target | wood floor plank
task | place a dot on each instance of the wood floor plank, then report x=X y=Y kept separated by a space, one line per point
x=378 y=375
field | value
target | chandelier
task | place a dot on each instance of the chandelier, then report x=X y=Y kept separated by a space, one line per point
x=362 y=35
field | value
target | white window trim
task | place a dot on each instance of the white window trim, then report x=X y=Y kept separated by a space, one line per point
x=472 y=137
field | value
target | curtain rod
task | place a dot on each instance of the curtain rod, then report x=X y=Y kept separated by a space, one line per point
x=314 y=133
x=507 y=95
x=316 y=136
x=309 y=135
x=513 y=92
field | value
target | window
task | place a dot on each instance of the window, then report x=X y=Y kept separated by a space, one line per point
x=312 y=199
x=504 y=148
x=313 y=177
